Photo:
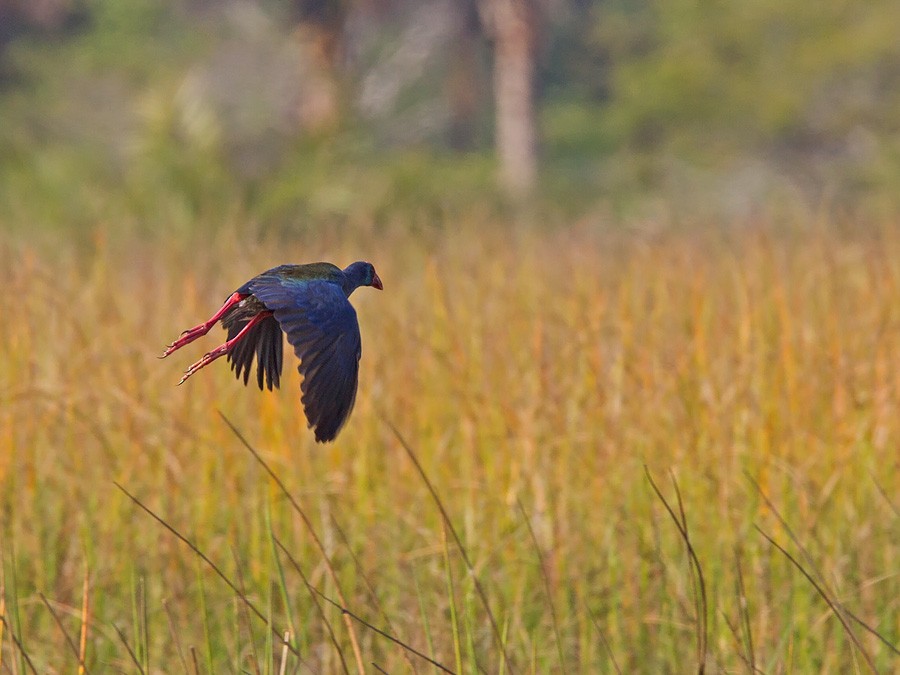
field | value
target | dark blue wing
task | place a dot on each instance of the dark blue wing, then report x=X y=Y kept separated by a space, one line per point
x=321 y=325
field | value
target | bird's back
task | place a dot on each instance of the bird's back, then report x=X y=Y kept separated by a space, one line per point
x=320 y=271
x=311 y=271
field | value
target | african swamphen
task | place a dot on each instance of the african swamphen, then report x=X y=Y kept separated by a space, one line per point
x=309 y=303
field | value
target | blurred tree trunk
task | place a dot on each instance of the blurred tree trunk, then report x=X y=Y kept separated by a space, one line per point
x=41 y=15
x=320 y=32
x=514 y=25
x=464 y=84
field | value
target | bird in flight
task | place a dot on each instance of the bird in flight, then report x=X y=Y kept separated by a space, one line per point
x=310 y=304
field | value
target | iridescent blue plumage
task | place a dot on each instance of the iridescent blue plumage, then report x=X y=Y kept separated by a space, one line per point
x=310 y=304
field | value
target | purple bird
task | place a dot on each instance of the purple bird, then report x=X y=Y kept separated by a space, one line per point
x=309 y=303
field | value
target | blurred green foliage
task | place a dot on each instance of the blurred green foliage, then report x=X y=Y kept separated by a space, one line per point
x=760 y=75
x=139 y=113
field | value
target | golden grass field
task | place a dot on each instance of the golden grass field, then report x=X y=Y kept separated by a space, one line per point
x=534 y=374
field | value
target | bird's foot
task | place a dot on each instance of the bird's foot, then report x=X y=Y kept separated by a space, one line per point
x=225 y=348
x=196 y=332
x=205 y=361
x=187 y=337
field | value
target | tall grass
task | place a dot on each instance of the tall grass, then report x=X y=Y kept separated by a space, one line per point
x=533 y=375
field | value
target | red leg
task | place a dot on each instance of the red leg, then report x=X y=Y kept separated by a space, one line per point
x=192 y=334
x=224 y=349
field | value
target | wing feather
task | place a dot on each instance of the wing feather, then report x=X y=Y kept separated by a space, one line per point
x=263 y=341
x=321 y=326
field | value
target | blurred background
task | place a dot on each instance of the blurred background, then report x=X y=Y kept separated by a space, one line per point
x=619 y=239
x=170 y=113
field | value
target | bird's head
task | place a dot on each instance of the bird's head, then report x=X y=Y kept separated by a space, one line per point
x=362 y=273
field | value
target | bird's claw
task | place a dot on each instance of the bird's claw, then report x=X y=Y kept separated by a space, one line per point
x=186 y=338
x=191 y=334
x=208 y=358
x=190 y=371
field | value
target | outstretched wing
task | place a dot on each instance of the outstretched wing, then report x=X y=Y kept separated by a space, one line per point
x=321 y=325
